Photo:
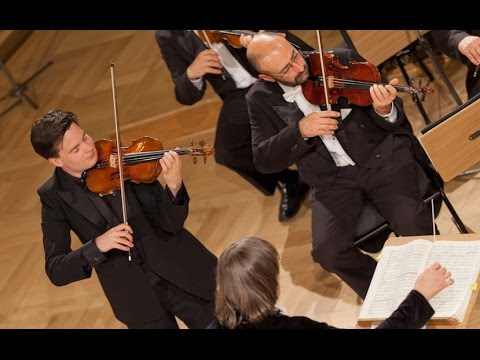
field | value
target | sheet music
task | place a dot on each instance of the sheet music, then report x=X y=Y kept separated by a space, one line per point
x=399 y=267
x=462 y=259
x=394 y=277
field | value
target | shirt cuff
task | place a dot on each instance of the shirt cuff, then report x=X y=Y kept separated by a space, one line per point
x=198 y=83
x=91 y=255
x=392 y=116
x=181 y=195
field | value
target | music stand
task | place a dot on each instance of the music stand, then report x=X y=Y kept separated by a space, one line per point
x=453 y=142
x=400 y=43
x=18 y=89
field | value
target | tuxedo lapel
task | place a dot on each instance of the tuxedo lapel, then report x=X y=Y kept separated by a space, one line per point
x=186 y=43
x=290 y=113
x=79 y=201
x=340 y=132
x=190 y=45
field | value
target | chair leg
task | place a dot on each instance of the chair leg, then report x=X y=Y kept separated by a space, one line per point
x=456 y=219
x=372 y=233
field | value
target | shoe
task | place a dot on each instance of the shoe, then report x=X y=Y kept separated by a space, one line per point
x=292 y=197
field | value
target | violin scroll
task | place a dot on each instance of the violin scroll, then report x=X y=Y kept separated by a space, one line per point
x=425 y=90
x=204 y=150
x=232 y=37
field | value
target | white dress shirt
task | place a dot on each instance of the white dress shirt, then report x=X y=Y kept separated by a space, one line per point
x=340 y=157
x=242 y=77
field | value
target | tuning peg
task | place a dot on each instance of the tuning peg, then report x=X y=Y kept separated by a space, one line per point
x=194 y=160
x=425 y=92
x=204 y=160
x=202 y=143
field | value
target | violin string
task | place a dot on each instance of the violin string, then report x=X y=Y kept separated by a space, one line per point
x=152 y=155
x=236 y=32
x=142 y=156
x=344 y=83
x=366 y=84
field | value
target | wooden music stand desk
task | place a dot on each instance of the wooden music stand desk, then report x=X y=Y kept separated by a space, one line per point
x=379 y=45
x=472 y=316
x=453 y=142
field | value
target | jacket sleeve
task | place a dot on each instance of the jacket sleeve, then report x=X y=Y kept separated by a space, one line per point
x=169 y=41
x=160 y=209
x=412 y=313
x=447 y=42
x=347 y=55
x=274 y=149
x=62 y=264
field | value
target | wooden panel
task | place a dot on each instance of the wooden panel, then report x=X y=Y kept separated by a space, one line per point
x=379 y=45
x=449 y=145
x=10 y=41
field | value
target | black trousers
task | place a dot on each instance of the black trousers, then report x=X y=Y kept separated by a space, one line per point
x=233 y=144
x=195 y=312
x=393 y=189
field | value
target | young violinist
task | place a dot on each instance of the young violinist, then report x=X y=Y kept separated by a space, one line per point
x=192 y=64
x=348 y=155
x=151 y=269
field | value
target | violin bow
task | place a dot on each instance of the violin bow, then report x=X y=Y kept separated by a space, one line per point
x=325 y=87
x=119 y=151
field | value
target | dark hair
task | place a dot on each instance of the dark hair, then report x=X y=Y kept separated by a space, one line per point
x=47 y=132
x=247 y=282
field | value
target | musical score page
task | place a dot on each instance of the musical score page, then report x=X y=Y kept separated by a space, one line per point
x=462 y=259
x=399 y=267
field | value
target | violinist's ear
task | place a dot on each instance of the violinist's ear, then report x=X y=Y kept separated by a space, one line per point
x=266 y=77
x=55 y=161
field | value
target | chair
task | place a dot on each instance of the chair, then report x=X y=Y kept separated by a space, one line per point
x=373 y=230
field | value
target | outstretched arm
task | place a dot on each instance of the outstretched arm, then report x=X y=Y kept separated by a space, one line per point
x=415 y=310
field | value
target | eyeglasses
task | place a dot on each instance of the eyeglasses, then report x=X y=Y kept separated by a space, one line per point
x=295 y=57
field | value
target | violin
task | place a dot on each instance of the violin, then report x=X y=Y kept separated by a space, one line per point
x=232 y=37
x=351 y=81
x=140 y=163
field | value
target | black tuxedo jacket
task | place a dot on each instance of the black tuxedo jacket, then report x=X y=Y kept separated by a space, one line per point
x=447 y=41
x=233 y=142
x=169 y=249
x=370 y=140
x=180 y=47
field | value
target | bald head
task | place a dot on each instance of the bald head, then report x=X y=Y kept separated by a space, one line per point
x=265 y=48
x=276 y=60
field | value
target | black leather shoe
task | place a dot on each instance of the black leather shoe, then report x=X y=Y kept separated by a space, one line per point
x=292 y=197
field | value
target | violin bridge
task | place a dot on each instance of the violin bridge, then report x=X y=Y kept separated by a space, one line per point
x=113 y=161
